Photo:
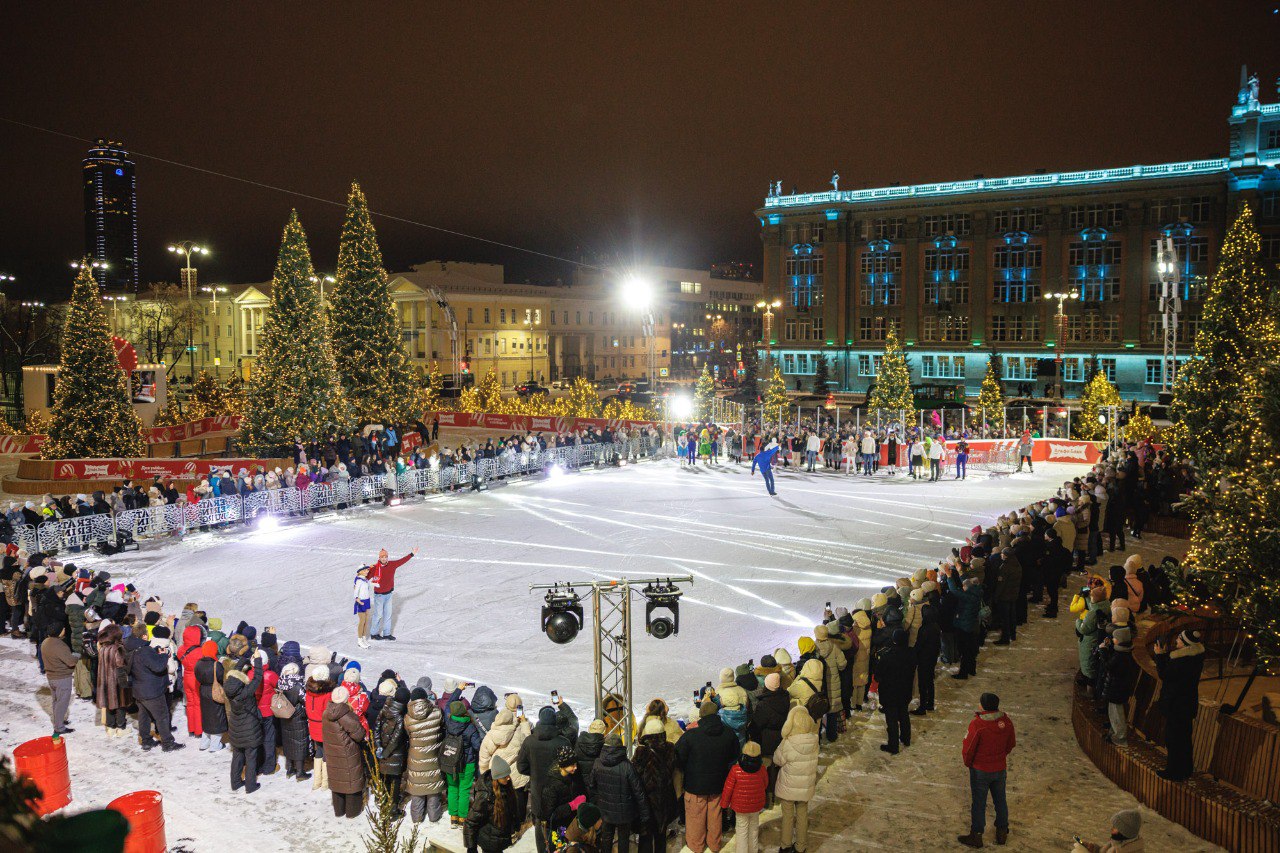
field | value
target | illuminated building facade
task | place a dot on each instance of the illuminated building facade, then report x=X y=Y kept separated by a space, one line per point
x=111 y=216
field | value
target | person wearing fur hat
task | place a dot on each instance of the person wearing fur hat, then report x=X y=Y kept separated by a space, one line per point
x=745 y=792
x=797 y=762
x=391 y=742
x=1179 y=668
x=704 y=754
x=619 y=793
x=319 y=689
x=344 y=738
x=424 y=783
x=555 y=796
x=244 y=721
x=655 y=763
x=1126 y=827
x=734 y=706
x=295 y=738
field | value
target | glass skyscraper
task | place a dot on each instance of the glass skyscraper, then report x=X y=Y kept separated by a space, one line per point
x=111 y=215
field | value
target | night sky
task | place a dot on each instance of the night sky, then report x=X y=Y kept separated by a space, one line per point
x=579 y=128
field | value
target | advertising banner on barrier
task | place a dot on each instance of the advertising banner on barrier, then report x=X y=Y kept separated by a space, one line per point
x=90 y=469
x=1062 y=450
x=153 y=435
x=526 y=423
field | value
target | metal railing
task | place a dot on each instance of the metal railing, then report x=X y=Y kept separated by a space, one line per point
x=180 y=519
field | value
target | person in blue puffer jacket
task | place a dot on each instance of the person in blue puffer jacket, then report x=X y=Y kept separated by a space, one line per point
x=735 y=711
x=764 y=460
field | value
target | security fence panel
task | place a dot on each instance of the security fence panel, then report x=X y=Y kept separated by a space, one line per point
x=49 y=536
x=220 y=510
x=27 y=538
x=320 y=496
x=86 y=530
x=151 y=521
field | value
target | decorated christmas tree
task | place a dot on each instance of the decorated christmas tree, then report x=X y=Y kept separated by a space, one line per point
x=92 y=414
x=207 y=398
x=1237 y=330
x=991 y=396
x=430 y=393
x=1139 y=426
x=776 y=401
x=171 y=414
x=893 y=384
x=236 y=394
x=488 y=393
x=375 y=372
x=703 y=394
x=294 y=391
x=582 y=401
x=822 y=376
x=1099 y=402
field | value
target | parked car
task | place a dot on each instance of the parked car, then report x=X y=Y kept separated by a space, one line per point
x=562 y=384
x=530 y=389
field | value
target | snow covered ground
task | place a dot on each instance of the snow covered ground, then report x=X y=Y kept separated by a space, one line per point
x=764 y=567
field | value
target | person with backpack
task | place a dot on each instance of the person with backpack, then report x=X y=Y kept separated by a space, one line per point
x=797 y=762
x=807 y=690
x=289 y=705
x=459 y=753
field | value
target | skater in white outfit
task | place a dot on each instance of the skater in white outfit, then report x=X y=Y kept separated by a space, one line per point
x=364 y=601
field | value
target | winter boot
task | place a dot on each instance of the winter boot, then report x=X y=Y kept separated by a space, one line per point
x=973 y=839
x=1002 y=835
x=320 y=778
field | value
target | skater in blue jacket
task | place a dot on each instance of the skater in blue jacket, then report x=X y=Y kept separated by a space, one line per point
x=764 y=459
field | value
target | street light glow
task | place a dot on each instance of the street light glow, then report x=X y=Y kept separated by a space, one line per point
x=682 y=407
x=638 y=291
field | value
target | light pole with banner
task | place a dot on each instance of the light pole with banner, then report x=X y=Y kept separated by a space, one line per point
x=768 y=328
x=187 y=248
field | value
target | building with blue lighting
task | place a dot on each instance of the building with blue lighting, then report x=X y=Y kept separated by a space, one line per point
x=962 y=269
x=111 y=215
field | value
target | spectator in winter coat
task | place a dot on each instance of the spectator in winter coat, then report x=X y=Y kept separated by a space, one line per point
x=833 y=663
x=494 y=816
x=319 y=689
x=767 y=719
x=190 y=654
x=861 y=663
x=1179 y=670
x=1132 y=583
x=424 y=783
x=1118 y=682
x=705 y=754
x=295 y=739
x=1054 y=566
x=986 y=749
x=588 y=749
x=484 y=708
x=968 y=596
x=745 y=793
x=503 y=741
x=808 y=684
x=1126 y=827
x=786 y=668
x=344 y=737
x=459 y=728
x=557 y=791
x=1089 y=630
x=150 y=671
x=391 y=743
x=540 y=751
x=1005 y=599
x=245 y=728
x=112 y=694
x=895 y=670
x=59 y=666
x=927 y=647
x=655 y=762
x=797 y=762
x=734 y=711
x=213 y=714
x=266 y=717
x=618 y=793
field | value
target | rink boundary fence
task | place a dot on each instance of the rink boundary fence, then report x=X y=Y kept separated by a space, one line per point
x=127 y=526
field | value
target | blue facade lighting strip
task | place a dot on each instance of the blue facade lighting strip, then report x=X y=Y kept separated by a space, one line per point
x=979 y=185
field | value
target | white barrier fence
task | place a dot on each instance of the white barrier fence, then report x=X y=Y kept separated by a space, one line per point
x=127 y=526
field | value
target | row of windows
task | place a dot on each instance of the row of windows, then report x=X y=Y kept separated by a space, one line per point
x=1015 y=369
x=947 y=328
x=803 y=330
x=942 y=367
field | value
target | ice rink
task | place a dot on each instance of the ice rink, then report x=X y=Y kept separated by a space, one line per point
x=764 y=567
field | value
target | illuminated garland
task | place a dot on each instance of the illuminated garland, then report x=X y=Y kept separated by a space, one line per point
x=92 y=412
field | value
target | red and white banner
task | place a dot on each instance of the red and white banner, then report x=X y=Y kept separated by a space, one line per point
x=193 y=429
x=1062 y=450
x=22 y=443
x=119 y=469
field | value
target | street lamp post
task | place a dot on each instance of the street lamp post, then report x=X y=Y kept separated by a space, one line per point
x=1062 y=296
x=528 y=322
x=214 y=291
x=115 y=311
x=1171 y=297
x=639 y=293
x=321 y=281
x=768 y=327
x=187 y=248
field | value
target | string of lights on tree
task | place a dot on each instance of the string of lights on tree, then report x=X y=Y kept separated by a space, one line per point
x=704 y=393
x=893 y=381
x=991 y=395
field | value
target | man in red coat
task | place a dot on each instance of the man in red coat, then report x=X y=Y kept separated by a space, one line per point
x=383 y=577
x=986 y=747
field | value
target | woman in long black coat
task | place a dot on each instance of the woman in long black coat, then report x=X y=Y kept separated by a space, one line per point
x=213 y=715
x=295 y=739
x=391 y=742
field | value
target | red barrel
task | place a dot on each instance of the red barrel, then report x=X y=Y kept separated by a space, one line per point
x=144 y=810
x=44 y=761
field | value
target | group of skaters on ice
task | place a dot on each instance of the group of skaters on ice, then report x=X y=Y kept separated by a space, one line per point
x=753 y=743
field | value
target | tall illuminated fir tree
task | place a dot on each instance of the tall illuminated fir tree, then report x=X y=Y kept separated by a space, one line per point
x=703 y=393
x=991 y=395
x=893 y=383
x=1099 y=394
x=776 y=401
x=372 y=366
x=1227 y=401
x=294 y=390
x=92 y=414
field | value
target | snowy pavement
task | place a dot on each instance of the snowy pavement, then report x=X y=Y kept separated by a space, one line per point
x=764 y=568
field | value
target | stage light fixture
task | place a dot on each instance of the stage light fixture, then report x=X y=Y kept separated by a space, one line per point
x=562 y=614
x=666 y=597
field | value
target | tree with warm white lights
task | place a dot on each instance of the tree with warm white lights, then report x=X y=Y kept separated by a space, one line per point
x=92 y=412
x=1099 y=401
x=776 y=401
x=1227 y=401
x=991 y=396
x=893 y=383
x=375 y=373
x=703 y=394
x=294 y=392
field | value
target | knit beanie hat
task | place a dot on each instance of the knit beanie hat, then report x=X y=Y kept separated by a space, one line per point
x=597 y=727
x=1128 y=823
x=726 y=676
x=160 y=632
x=457 y=709
x=748 y=682
x=387 y=688
x=424 y=683
x=772 y=681
x=707 y=709
x=653 y=725
x=841 y=612
x=751 y=749
x=1122 y=639
x=863 y=604
x=588 y=815
x=499 y=768
x=315 y=672
x=566 y=757
x=450 y=685
x=417 y=693
x=340 y=695
x=614 y=739
x=919 y=576
x=917 y=595
x=879 y=600
x=353 y=664
x=1119 y=612
x=546 y=716
x=402 y=695
x=768 y=662
x=1190 y=636
x=929 y=586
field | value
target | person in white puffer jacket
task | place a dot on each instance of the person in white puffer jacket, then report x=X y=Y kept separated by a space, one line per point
x=797 y=760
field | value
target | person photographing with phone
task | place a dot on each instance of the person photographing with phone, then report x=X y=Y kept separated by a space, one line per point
x=382 y=575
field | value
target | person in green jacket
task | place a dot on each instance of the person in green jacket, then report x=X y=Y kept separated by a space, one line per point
x=215 y=634
x=1089 y=629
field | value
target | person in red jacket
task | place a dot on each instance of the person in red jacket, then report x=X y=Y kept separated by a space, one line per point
x=318 y=690
x=744 y=792
x=986 y=747
x=270 y=678
x=189 y=654
x=383 y=577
